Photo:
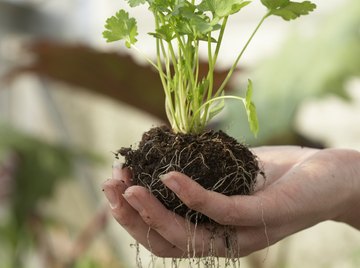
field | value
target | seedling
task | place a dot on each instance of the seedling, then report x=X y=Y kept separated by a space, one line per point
x=215 y=160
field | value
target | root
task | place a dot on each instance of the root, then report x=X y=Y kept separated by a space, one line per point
x=137 y=254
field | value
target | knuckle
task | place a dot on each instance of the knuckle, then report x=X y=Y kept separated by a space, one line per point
x=194 y=202
x=193 y=197
x=228 y=219
x=122 y=217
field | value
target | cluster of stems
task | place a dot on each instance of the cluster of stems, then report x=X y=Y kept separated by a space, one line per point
x=190 y=100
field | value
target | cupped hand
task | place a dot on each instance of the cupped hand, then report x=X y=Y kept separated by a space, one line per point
x=302 y=187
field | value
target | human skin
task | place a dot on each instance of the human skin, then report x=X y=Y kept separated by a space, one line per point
x=303 y=187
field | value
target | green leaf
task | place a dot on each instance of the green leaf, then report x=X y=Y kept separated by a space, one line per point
x=185 y=9
x=134 y=3
x=238 y=6
x=163 y=6
x=204 y=6
x=183 y=27
x=221 y=8
x=294 y=10
x=189 y=21
x=287 y=9
x=201 y=26
x=165 y=32
x=274 y=4
x=121 y=27
x=251 y=110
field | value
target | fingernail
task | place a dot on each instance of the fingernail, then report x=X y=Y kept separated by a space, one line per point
x=112 y=197
x=116 y=169
x=117 y=164
x=132 y=200
x=170 y=182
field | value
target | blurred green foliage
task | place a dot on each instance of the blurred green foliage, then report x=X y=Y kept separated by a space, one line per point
x=41 y=166
x=38 y=169
x=320 y=61
x=87 y=263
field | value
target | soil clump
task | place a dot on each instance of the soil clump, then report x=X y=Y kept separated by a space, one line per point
x=213 y=159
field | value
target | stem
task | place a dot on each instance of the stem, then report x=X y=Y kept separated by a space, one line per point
x=221 y=35
x=165 y=79
x=212 y=62
x=197 y=96
x=208 y=103
x=146 y=57
x=210 y=78
x=187 y=58
x=177 y=79
x=221 y=88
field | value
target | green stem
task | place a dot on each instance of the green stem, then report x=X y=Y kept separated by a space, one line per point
x=212 y=62
x=209 y=102
x=146 y=57
x=177 y=90
x=221 y=35
x=165 y=79
x=187 y=58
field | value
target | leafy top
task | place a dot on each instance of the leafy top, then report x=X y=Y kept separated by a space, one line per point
x=134 y=3
x=180 y=25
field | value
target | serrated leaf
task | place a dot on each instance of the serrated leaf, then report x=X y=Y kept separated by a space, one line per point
x=189 y=21
x=184 y=28
x=274 y=4
x=201 y=26
x=251 y=110
x=238 y=6
x=121 y=27
x=163 y=6
x=294 y=10
x=134 y=3
x=184 y=9
x=204 y=6
x=223 y=8
x=165 y=32
x=287 y=9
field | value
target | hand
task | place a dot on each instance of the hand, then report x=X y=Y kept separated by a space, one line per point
x=303 y=187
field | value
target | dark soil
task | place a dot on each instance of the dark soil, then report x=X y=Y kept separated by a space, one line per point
x=213 y=159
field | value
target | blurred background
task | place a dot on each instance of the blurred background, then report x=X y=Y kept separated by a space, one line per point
x=68 y=100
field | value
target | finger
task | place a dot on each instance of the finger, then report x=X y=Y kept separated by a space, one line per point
x=119 y=172
x=225 y=210
x=194 y=240
x=131 y=221
x=200 y=241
